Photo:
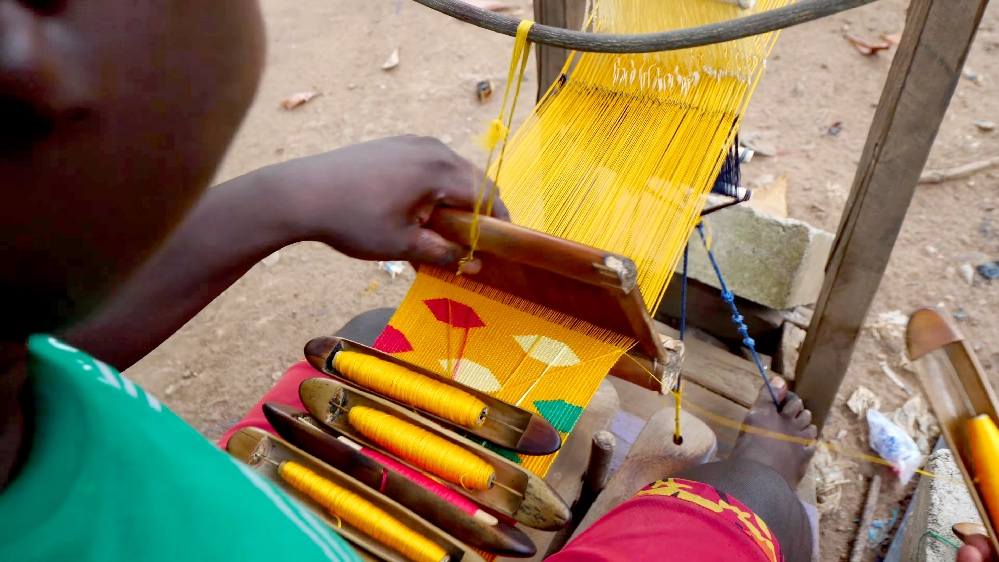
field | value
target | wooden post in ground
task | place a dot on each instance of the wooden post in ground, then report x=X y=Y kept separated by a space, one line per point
x=568 y=14
x=922 y=79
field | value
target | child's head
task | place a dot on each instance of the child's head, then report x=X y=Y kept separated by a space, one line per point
x=113 y=118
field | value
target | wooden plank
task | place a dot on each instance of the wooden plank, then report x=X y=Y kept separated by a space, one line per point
x=697 y=400
x=654 y=456
x=566 y=474
x=923 y=75
x=567 y=14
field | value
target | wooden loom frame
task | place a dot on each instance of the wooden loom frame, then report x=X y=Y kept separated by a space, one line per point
x=924 y=73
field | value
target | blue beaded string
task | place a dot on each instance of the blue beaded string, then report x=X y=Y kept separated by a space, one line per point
x=728 y=297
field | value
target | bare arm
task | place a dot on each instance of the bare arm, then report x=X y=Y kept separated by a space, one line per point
x=368 y=201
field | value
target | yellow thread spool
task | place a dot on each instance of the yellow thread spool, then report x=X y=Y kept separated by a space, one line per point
x=362 y=514
x=424 y=449
x=400 y=383
x=983 y=439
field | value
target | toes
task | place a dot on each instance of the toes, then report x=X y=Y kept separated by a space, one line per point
x=804 y=419
x=810 y=432
x=780 y=390
x=792 y=406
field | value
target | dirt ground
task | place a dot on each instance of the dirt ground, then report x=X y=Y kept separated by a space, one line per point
x=218 y=365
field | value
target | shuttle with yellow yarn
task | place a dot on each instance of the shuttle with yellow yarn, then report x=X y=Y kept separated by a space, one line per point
x=514 y=492
x=369 y=520
x=963 y=401
x=444 y=400
x=479 y=530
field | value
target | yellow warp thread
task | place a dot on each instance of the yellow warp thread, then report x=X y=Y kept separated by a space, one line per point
x=423 y=449
x=619 y=156
x=404 y=385
x=362 y=514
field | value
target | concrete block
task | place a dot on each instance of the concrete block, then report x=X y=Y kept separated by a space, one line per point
x=940 y=503
x=779 y=263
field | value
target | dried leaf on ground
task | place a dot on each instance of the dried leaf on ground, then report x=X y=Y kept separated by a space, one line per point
x=392 y=61
x=915 y=418
x=298 y=99
x=830 y=475
x=893 y=38
x=889 y=325
x=861 y=400
x=867 y=48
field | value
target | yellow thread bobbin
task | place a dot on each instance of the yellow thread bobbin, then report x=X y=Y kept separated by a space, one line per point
x=404 y=385
x=424 y=449
x=362 y=514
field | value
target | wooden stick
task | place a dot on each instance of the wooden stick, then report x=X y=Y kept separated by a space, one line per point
x=865 y=520
x=594 y=480
x=567 y=14
x=940 y=176
x=923 y=75
x=764 y=22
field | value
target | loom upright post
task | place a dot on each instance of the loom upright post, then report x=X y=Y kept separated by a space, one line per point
x=567 y=14
x=922 y=79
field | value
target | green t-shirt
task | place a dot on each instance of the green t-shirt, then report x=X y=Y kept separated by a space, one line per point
x=114 y=476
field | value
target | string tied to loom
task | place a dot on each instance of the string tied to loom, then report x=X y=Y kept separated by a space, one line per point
x=498 y=133
x=495 y=133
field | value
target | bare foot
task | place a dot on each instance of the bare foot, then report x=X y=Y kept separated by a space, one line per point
x=788 y=458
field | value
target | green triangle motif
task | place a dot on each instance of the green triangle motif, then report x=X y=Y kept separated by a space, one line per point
x=559 y=413
x=505 y=453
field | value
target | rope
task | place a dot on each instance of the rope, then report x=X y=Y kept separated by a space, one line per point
x=434 y=454
x=362 y=514
x=414 y=389
x=755 y=24
x=728 y=297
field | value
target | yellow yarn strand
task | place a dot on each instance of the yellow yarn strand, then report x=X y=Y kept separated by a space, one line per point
x=423 y=449
x=362 y=514
x=621 y=155
x=498 y=131
x=419 y=391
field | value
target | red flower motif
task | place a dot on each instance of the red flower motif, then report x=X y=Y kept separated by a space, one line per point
x=454 y=313
x=392 y=341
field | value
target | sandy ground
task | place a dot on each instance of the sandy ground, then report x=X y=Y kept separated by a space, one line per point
x=218 y=365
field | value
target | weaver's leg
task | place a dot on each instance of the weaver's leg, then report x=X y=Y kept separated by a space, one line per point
x=730 y=510
x=763 y=472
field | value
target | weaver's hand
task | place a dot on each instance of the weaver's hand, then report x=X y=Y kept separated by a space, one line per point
x=371 y=200
x=976 y=543
x=976 y=549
